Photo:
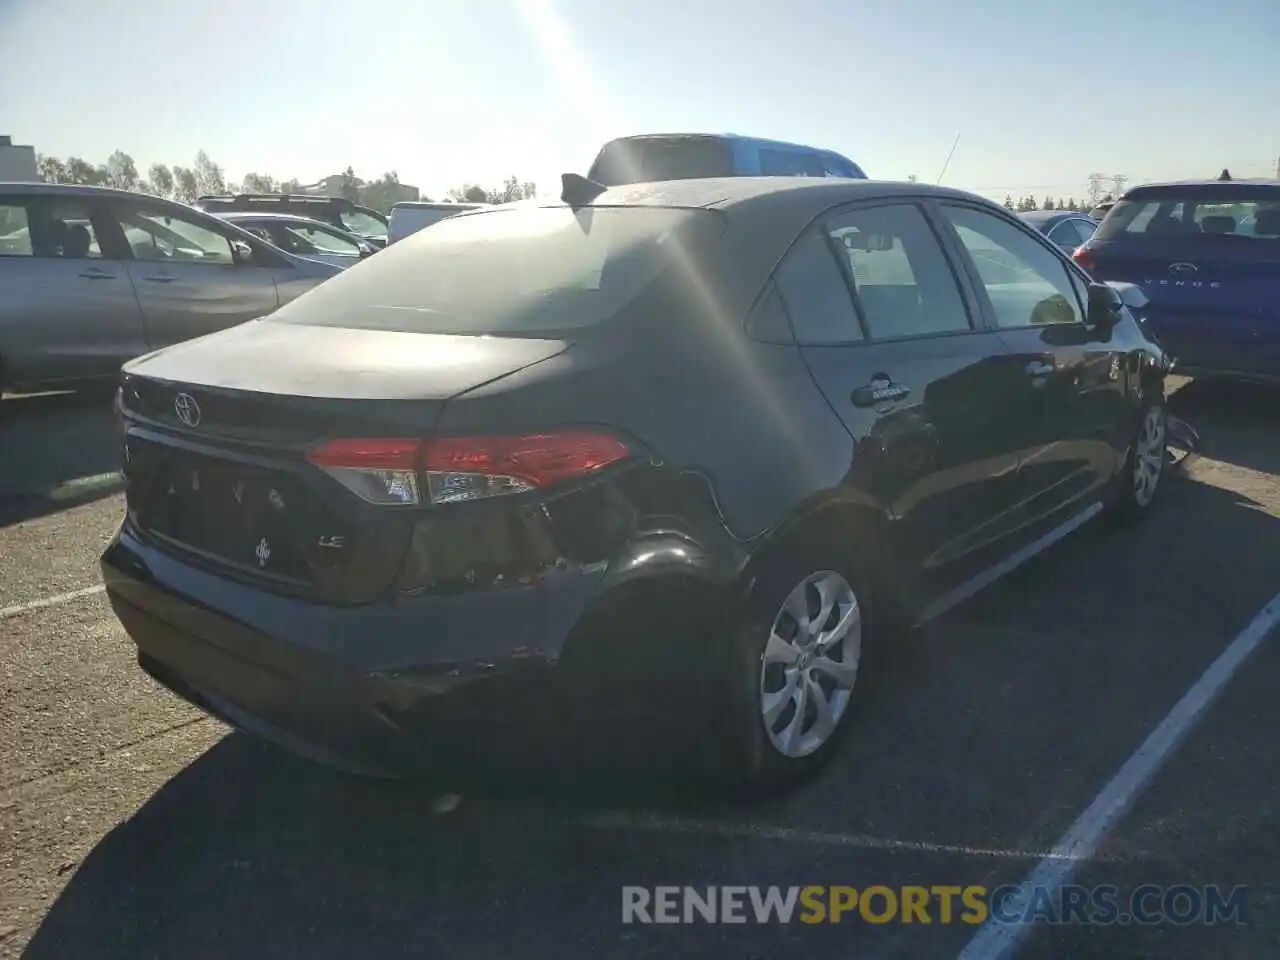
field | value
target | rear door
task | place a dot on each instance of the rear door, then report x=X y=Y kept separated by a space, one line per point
x=67 y=308
x=187 y=275
x=915 y=378
x=1037 y=302
x=1208 y=258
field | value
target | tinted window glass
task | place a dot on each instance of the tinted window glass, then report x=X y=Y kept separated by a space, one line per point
x=1027 y=284
x=156 y=234
x=643 y=161
x=790 y=163
x=1084 y=228
x=15 y=230
x=1220 y=217
x=1065 y=235
x=815 y=293
x=52 y=226
x=903 y=281
x=515 y=271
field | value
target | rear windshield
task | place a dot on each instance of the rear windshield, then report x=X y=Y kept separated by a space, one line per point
x=520 y=271
x=645 y=161
x=1217 y=218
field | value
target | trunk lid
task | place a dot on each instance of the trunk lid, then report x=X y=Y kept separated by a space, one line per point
x=217 y=431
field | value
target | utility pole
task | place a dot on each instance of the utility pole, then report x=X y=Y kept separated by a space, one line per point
x=1096 y=189
x=1117 y=185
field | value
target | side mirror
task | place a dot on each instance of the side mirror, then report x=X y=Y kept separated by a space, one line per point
x=1105 y=306
x=242 y=252
x=366 y=250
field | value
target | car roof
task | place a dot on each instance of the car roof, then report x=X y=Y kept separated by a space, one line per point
x=1258 y=184
x=270 y=215
x=72 y=190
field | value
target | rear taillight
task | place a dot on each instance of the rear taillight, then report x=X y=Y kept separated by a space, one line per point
x=461 y=469
x=1083 y=256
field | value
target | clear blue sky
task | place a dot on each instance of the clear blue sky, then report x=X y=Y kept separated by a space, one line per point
x=1042 y=92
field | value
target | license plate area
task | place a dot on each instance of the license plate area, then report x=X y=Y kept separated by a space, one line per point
x=252 y=518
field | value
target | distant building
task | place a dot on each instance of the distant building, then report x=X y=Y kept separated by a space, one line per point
x=17 y=162
x=331 y=186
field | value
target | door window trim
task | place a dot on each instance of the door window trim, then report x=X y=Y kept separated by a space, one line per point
x=975 y=278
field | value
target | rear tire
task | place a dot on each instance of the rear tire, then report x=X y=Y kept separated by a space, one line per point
x=1144 y=469
x=793 y=663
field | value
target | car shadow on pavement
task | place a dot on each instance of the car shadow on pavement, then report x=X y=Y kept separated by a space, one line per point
x=56 y=450
x=1237 y=422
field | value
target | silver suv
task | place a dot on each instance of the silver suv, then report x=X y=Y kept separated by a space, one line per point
x=92 y=277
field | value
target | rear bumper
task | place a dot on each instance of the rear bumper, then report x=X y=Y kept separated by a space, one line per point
x=381 y=687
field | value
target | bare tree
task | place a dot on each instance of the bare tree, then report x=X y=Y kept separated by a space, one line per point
x=209 y=176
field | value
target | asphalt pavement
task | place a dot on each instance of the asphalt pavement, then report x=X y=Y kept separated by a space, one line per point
x=132 y=826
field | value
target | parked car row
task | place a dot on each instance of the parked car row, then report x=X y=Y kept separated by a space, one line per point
x=92 y=277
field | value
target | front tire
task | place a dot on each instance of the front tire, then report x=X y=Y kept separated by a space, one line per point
x=794 y=663
x=1144 y=469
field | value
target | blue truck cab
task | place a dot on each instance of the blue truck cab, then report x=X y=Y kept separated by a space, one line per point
x=686 y=156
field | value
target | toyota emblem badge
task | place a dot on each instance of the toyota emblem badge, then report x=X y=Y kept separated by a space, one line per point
x=187 y=410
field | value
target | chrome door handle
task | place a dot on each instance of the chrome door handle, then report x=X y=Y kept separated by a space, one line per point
x=1037 y=368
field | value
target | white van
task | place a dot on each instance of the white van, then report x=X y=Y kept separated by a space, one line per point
x=411 y=216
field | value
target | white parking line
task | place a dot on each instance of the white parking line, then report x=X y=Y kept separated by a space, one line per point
x=996 y=941
x=764 y=831
x=21 y=608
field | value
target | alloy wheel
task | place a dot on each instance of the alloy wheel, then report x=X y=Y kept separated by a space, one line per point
x=1149 y=454
x=810 y=663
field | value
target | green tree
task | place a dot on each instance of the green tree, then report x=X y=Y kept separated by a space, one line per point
x=349 y=186
x=1047 y=204
x=81 y=171
x=290 y=186
x=512 y=190
x=209 y=176
x=52 y=170
x=161 y=178
x=185 y=185
x=1061 y=205
x=258 y=183
x=385 y=192
x=122 y=172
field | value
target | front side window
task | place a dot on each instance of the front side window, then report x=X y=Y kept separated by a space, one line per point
x=320 y=240
x=903 y=282
x=362 y=224
x=514 y=271
x=159 y=235
x=1025 y=282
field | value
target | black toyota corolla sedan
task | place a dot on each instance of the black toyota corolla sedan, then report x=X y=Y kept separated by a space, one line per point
x=742 y=426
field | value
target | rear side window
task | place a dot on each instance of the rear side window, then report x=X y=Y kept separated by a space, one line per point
x=1217 y=217
x=790 y=163
x=644 y=161
x=516 y=271
x=15 y=230
x=815 y=293
x=903 y=281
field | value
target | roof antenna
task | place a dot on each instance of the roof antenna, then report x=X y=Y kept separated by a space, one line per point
x=577 y=191
x=954 y=143
x=1225 y=174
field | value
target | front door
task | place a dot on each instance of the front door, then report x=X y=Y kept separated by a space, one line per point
x=1037 y=301
x=887 y=333
x=189 y=278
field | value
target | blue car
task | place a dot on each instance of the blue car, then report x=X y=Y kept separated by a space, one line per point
x=1207 y=255
x=657 y=157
